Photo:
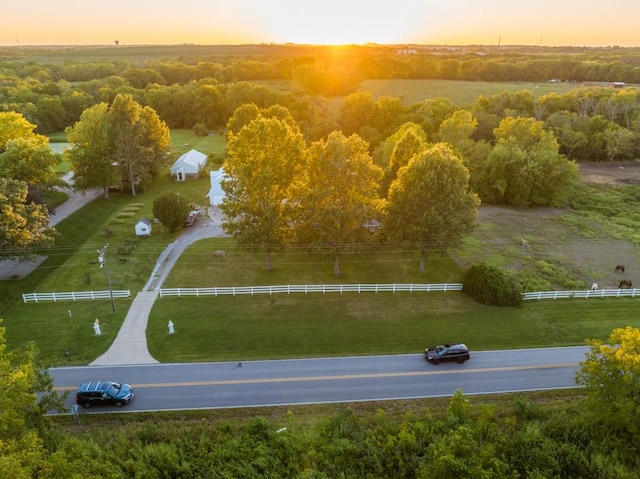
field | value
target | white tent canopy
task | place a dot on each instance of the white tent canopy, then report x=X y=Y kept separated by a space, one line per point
x=216 y=194
x=188 y=165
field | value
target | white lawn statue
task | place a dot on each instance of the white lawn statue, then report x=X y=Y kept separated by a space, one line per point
x=171 y=330
x=96 y=327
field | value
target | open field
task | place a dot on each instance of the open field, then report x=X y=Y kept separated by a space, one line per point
x=459 y=92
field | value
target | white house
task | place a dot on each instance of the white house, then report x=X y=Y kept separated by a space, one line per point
x=143 y=227
x=188 y=165
x=216 y=194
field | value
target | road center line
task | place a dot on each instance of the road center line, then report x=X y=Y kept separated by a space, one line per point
x=339 y=377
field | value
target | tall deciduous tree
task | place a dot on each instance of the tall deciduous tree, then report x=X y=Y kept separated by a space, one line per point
x=139 y=140
x=525 y=167
x=611 y=377
x=90 y=155
x=339 y=196
x=264 y=160
x=22 y=224
x=32 y=161
x=124 y=143
x=409 y=143
x=430 y=204
x=14 y=125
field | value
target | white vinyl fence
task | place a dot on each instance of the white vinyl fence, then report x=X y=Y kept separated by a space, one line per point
x=319 y=288
x=596 y=293
x=310 y=288
x=74 y=296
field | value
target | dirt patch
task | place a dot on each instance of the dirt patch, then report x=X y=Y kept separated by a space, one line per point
x=611 y=173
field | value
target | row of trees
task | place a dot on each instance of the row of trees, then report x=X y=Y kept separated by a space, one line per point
x=279 y=191
x=263 y=63
x=591 y=124
x=593 y=437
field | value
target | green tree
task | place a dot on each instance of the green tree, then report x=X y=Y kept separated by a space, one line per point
x=25 y=397
x=338 y=197
x=172 y=210
x=409 y=143
x=90 y=155
x=124 y=143
x=525 y=168
x=22 y=224
x=610 y=375
x=32 y=161
x=13 y=125
x=264 y=160
x=139 y=139
x=430 y=204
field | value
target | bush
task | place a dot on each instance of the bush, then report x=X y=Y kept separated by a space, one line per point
x=200 y=129
x=491 y=285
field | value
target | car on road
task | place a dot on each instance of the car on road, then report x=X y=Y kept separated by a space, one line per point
x=447 y=352
x=103 y=393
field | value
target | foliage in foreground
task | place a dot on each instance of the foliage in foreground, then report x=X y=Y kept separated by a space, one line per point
x=527 y=439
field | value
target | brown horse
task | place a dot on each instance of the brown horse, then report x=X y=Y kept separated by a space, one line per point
x=620 y=268
x=625 y=283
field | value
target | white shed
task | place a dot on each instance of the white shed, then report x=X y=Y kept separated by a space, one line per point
x=216 y=193
x=188 y=165
x=143 y=227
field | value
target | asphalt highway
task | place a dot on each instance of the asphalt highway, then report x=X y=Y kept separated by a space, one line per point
x=161 y=387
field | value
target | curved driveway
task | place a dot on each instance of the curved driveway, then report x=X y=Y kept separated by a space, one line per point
x=130 y=345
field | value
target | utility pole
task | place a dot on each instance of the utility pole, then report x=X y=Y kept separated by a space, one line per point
x=102 y=259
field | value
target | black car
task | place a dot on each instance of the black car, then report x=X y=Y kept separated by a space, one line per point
x=447 y=352
x=103 y=392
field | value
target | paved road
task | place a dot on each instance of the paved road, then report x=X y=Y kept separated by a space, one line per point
x=326 y=380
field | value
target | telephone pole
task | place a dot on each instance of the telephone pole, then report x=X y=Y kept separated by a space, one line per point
x=102 y=259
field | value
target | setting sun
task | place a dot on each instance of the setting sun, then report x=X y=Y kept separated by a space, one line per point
x=330 y=22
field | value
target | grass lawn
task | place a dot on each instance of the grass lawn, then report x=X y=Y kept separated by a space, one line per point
x=290 y=326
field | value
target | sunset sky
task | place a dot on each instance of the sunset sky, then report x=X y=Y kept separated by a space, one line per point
x=454 y=22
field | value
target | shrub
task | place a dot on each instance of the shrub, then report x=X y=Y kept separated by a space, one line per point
x=491 y=285
x=200 y=129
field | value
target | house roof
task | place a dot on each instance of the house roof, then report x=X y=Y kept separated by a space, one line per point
x=192 y=158
x=145 y=221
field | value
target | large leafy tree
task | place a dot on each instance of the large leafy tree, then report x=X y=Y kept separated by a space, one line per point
x=264 y=160
x=90 y=157
x=32 y=161
x=525 y=168
x=139 y=140
x=339 y=196
x=409 y=141
x=611 y=377
x=25 y=397
x=430 y=204
x=122 y=143
x=14 y=125
x=23 y=224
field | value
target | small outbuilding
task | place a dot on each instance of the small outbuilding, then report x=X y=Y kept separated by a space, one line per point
x=143 y=227
x=188 y=165
x=216 y=193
